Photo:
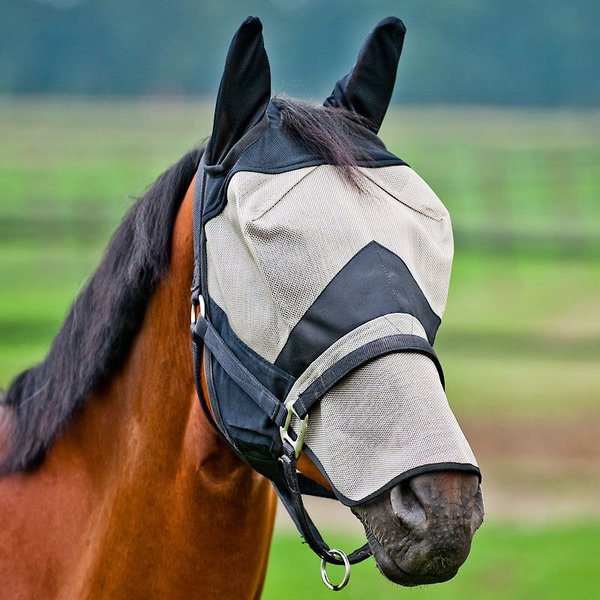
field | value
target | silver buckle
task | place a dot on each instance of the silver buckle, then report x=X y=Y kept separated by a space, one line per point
x=284 y=431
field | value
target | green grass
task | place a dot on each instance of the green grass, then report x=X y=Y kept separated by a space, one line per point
x=507 y=562
x=521 y=386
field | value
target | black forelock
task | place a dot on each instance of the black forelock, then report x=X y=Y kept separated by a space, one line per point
x=327 y=132
x=102 y=323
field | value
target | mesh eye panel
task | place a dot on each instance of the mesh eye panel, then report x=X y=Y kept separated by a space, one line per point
x=237 y=285
x=385 y=418
x=282 y=238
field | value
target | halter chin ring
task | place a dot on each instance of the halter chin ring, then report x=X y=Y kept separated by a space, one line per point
x=336 y=554
x=284 y=431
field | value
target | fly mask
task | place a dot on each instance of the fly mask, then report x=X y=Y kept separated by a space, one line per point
x=317 y=294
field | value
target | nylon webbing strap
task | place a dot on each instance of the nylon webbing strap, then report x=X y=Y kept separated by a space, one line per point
x=291 y=495
x=292 y=499
x=267 y=402
x=197 y=209
x=197 y=358
x=386 y=345
x=312 y=488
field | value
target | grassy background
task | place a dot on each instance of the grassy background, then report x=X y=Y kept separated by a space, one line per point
x=520 y=341
x=516 y=561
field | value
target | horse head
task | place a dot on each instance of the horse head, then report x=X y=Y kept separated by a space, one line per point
x=321 y=276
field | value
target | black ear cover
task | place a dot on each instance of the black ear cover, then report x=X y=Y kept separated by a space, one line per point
x=368 y=88
x=244 y=92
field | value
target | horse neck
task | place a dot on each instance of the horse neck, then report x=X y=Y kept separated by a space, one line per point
x=165 y=507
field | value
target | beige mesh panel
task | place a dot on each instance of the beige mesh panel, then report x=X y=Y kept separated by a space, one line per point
x=282 y=238
x=385 y=418
x=237 y=285
x=399 y=420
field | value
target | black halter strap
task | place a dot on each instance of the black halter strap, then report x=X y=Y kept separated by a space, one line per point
x=290 y=489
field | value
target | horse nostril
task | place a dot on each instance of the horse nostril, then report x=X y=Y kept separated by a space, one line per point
x=478 y=511
x=406 y=506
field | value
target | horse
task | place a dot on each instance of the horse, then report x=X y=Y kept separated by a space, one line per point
x=115 y=483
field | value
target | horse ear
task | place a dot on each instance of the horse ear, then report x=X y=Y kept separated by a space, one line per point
x=244 y=92
x=368 y=88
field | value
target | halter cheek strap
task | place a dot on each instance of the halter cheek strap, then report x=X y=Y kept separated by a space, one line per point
x=289 y=488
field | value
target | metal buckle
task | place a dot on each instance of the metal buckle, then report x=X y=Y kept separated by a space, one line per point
x=284 y=431
x=201 y=309
x=333 y=586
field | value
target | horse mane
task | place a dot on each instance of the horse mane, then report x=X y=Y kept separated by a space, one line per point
x=101 y=324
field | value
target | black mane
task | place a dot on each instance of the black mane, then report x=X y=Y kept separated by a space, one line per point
x=105 y=319
x=102 y=323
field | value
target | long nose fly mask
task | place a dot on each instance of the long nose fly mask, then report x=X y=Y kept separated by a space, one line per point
x=317 y=293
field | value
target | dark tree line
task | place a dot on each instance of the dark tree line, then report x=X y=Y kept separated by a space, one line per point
x=528 y=52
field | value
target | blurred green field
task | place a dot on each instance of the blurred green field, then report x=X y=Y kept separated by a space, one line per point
x=520 y=341
x=520 y=562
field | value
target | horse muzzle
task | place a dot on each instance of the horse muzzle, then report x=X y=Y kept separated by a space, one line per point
x=420 y=531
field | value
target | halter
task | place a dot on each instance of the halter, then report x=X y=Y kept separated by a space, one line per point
x=279 y=460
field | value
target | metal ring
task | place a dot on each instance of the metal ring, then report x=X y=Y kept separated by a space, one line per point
x=336 y=587
x=201 y=309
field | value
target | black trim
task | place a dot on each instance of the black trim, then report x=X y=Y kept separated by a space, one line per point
x=277 y=381
x=222 y=168
x=375 y=282
x=430 y=468
x=241 y=374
